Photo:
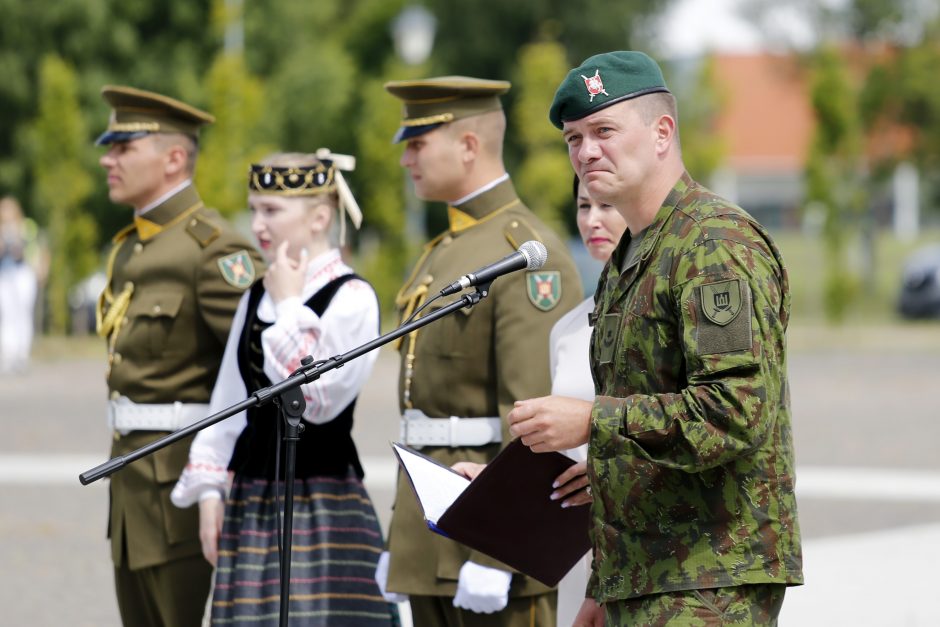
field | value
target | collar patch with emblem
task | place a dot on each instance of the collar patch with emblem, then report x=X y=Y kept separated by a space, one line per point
x=237 y=269
x=544 y=289
x=721 y=302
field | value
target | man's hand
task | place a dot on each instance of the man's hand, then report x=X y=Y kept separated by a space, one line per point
x=573 y=482
x=551 y=423
x=482 y=589
x=590 y=615
x=211 y=513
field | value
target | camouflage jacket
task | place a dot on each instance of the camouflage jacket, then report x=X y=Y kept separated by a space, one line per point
x=691 y=452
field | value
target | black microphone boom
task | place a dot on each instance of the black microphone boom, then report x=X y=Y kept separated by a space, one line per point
x=531 y=256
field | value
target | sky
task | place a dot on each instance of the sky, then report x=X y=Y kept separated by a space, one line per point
x=692 y=27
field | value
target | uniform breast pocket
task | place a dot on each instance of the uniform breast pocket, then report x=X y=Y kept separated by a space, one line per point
x=151 y=317
x=455 y=336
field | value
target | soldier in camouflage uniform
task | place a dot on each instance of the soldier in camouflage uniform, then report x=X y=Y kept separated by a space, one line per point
x=690 y=456
x=174 y=278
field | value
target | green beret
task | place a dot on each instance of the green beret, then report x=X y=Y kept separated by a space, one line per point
x=136 y=113
x=603 y=80
x=430 y=102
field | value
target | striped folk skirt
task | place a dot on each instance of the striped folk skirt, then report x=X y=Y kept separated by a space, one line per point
x=336 y=545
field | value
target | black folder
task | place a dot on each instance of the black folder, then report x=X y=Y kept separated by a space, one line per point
x=506 y=511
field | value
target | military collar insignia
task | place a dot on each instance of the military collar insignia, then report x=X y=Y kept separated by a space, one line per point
x=146 y=229
x=458 y=220
x=594 y=85
x=237 y=269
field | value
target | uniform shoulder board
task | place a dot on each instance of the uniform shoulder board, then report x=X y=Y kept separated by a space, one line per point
x=517 y=232
x=202 y=230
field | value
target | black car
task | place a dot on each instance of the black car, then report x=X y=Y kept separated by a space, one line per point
x=920 y=288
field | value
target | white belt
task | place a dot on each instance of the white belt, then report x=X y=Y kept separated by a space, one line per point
x=124 y=415
x=419 y=430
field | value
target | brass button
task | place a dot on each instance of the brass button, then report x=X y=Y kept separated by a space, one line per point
x=118 y=358
x=117 y=436
x=514 y=223
x=193 y=222
x=447 y=239
x=115 y=395
x=126 y=320
x=138 y=247
x=156 y=309
x=428 y=279
x=129 y=285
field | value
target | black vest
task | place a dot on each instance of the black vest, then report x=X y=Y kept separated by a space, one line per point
x=324 y=449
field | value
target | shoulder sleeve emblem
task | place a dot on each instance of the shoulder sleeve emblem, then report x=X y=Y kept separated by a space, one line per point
x=721 y=302
x=724 y=328
x=237 y=269
x=544 y=289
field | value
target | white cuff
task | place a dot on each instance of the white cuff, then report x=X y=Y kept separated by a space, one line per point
x=381 y=578
x=482 y=589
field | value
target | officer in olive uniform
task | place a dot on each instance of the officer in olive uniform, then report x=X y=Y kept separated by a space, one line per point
x=465 y=371
x=175 y=277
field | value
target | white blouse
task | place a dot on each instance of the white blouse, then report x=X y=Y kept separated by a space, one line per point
x=568 y=344
x=351 y=320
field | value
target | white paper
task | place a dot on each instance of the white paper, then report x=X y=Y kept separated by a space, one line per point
x=437 y=487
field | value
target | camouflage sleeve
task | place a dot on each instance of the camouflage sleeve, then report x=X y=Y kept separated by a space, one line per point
x=229 y=266
x=730 y=312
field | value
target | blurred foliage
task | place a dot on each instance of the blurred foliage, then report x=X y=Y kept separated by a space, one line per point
x=703 y=150
x=834 y=184
x=544 y=176
x=308 y=75
x=239 y=136
x=56 y=141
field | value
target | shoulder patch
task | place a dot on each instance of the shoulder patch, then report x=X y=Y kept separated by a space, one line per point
x=202 y=230
x=723 y=328
x=544 y=289
x=237 y=269
x=721 y=301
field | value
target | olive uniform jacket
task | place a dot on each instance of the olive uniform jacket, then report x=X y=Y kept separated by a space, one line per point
x=188 y=269
x=474 y=363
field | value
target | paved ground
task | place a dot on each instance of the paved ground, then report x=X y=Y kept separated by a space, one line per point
x=865 y=422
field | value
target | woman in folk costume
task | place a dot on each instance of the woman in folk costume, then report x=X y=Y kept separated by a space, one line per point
x=309 y=303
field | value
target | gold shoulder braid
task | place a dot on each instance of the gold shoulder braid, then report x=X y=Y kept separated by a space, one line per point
x=110 y=310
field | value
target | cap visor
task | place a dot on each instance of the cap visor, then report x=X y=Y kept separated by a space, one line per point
x=113 y=137
x=407 y=132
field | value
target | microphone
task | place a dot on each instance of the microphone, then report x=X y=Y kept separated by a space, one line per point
x=531 y=256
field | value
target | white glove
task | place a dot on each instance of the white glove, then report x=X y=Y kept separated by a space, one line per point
x=381 y=578
x=481 y=589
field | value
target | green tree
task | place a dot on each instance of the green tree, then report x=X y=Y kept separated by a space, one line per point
x=57 y=141
x=544 y=175
x=236 y=139
x=703 y=149
x=387 y=203
x=834 y=182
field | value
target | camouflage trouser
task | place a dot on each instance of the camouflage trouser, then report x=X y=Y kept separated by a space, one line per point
x=739 y=605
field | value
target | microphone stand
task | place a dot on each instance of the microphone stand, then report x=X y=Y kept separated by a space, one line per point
x=286 y=394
